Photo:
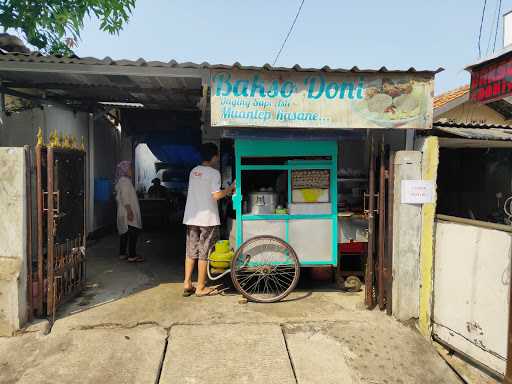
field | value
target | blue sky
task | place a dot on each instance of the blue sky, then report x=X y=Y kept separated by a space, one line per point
x=342 y=33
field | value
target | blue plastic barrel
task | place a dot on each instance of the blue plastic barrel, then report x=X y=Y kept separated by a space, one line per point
x=102 y=189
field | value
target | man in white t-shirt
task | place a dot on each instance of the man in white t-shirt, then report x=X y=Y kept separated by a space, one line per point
x=202 y=218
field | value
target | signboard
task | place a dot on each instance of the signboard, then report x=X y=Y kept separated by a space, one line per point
x=243 y=98
x=417 y=192
x=492 y=82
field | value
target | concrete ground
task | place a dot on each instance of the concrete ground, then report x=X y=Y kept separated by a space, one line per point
x=131 y=325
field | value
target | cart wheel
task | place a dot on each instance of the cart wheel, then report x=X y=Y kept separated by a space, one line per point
x=265 y=269
x=353 y=284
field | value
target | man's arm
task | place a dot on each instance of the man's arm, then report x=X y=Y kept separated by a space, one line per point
x=224 y=192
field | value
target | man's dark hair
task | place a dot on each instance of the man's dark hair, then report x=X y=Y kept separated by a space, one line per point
x=208 y=151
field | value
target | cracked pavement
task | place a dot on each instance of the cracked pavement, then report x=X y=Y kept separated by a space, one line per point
x=133 y=326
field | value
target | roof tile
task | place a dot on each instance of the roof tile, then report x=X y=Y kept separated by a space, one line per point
x=446 y=97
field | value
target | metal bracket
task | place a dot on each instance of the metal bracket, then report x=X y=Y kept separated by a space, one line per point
x=56 y=211
x=367 y=196
x=45 y=198
x=57 y=194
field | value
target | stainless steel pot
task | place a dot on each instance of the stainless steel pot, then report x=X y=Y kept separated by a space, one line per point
x=262 y=203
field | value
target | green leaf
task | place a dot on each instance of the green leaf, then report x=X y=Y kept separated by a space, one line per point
x=47 y=24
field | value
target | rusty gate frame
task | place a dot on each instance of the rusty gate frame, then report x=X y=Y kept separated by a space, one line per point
x=379 y=261
x=62 y=275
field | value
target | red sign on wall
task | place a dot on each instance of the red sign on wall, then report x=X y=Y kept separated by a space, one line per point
x=492 y=82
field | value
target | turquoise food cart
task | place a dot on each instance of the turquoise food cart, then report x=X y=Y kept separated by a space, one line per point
x=274 y=241
x=309 y=226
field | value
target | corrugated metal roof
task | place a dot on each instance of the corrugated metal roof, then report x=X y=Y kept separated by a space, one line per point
x=502 y=52
x=36 y=57
x=154 y=84
x=455 y=124
x=478 y=133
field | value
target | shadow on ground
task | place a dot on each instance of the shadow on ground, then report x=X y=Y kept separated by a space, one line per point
x=110 y=279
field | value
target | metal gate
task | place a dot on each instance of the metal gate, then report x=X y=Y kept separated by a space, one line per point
x=59 y=268
x=378 y=275
x=471 y=289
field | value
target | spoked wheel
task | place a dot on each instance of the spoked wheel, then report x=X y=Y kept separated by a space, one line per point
x=265 y=269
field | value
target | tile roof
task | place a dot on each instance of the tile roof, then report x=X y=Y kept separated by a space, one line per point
x=446 y=97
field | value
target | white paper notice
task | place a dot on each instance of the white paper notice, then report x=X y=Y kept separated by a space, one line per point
x=417 y=192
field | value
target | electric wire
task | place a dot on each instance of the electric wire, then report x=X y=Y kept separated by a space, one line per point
x=480 y=33
x=491 y=34
x=289 y=33
x=497 y=24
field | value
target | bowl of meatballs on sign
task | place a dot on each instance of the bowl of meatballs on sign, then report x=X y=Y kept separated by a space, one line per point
x=389 y=103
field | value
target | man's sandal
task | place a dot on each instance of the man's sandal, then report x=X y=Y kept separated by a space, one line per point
x=189 y=292
x=216 y=290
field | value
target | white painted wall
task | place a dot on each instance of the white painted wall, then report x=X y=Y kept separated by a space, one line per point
x=20 y=128
x=406 y=240
x=103 y=142
x=13 y=237
x=471 y=289
x=68 y=122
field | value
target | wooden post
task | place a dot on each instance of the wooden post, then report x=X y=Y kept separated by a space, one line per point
x=51 y=239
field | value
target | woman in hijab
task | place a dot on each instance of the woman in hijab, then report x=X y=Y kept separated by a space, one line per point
x=129 y=221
